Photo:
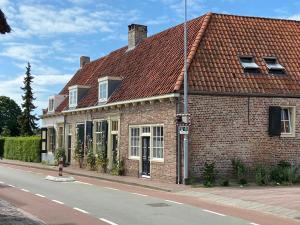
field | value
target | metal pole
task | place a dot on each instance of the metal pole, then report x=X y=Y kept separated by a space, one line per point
x=185 y=140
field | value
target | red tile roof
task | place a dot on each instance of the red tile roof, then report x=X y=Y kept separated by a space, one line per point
x=155 y=66
x=216 y=66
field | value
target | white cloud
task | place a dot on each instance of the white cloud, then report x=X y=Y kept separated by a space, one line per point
x=158 y=21
x=25 y=52
x=294 y=17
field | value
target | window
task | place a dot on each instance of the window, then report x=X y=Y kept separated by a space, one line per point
x=114 y=126
x=158 y=142
x=51 y=105
x=102 y=91
x=101 y=136
x=73 y=98
x=249 y=64
x=273 y=65
x=134 y=141
x=286 y=121
x=60 y=136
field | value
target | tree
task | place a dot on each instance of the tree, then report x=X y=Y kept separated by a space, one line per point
x=4 y=27
x=9 y=113
x=27 y=120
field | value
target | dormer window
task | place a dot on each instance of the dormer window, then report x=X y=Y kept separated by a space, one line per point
x=103 y=89
x=249 y=64
x=51 y=105
x=107 y=86
x=273 y=66
x=73 y=97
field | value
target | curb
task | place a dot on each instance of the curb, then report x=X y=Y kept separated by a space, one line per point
x=91 y=176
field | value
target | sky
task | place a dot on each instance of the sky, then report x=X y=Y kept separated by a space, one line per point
x=53 y=34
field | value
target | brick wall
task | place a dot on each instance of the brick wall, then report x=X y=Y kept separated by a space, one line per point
x=156 y=113
x=224 y=127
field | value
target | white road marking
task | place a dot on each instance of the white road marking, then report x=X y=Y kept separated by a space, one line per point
x=24 y=190
x=107 y=221
x=139 y=194
x=42 y=196
x=57 y=202
x=254 y=223
x=81 y=210
x=11 y=185
x=80 y=182
x=179 y=203
x=114 y=189
x=219 y=214
x=1 y=182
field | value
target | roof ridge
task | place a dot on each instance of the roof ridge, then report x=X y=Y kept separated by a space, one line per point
x=257 y=17
x=194 y=48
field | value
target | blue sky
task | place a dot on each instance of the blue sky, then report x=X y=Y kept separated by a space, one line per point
x=52 y=35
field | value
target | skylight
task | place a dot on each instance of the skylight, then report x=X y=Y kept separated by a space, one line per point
x=249 y=64
x=273 y=65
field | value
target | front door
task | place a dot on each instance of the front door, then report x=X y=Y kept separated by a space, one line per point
x=145 y=156
x=114 y=147
x=69 y=148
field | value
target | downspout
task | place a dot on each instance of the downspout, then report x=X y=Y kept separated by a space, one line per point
x=178 y=144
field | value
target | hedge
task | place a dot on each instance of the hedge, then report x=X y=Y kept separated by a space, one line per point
x=22 y=148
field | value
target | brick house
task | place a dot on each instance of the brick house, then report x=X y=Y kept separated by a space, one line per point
x=244 y=89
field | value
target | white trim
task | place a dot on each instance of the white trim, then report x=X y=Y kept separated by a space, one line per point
x=102 y=100
x=109 y=78
x=173 y=95
x=77 y=87
x=293 y=122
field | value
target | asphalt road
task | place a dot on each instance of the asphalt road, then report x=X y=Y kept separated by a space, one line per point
x=104 y=202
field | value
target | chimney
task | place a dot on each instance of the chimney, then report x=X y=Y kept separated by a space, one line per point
x=84 y=60
x=136 y=33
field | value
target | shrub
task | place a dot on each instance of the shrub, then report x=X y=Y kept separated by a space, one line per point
x=209 y=174
x=60 y=152
x=101 y=161
x=22 y=148
x=91 y=159
x=240 y=170
x=224 y=183
x=118 y=168
x=261 y=175
x=284 y=172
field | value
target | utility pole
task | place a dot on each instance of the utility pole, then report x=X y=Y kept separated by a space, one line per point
x=185 y=95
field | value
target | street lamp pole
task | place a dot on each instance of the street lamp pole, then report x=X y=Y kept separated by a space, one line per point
x=185 y=95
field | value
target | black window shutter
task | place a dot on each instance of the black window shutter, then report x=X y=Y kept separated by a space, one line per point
x=274 y=121
x=89 y=130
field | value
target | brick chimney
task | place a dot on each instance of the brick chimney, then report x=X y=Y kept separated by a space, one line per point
x=84 y=60
x=136 y=33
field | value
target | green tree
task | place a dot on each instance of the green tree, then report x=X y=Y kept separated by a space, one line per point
x=27 y=120
x=9 y=113
x=4 y=27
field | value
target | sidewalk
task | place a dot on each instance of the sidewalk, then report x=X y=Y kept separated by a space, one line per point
x=279 y=201
x=142 y=182
x=10 y=215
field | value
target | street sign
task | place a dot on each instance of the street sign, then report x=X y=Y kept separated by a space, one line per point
x=183 y=130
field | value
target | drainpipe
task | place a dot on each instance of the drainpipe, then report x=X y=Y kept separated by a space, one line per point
x=178 y=144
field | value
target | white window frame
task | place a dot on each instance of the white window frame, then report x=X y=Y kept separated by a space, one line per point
x=73 y=97
x=102 y=98
x=51 y=99
x=292 y=119
x=163 y=142
x=152 y=159
x=135 y=157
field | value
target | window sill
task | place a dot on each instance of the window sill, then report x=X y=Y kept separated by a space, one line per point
x=158 y=160
x=288 y=135
x=134 y=157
